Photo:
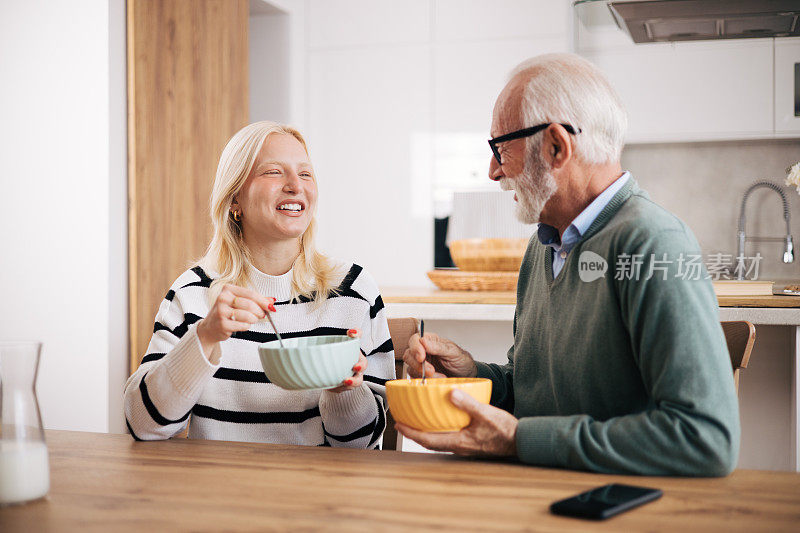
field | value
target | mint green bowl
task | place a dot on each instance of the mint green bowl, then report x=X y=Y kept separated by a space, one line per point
x=307 y=363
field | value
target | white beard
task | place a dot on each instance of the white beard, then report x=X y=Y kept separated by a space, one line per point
x=532 y=192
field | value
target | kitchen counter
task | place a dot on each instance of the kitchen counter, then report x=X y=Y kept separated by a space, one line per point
x=102 y=482
x=428 y=295
x=436 y=304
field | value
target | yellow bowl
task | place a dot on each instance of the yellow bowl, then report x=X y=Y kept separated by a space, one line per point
x=428 y=407
x=487 y=255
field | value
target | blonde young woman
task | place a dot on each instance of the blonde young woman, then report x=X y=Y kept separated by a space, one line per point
x=203 y=359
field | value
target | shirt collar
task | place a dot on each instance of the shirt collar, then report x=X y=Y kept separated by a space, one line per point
x=548 y=235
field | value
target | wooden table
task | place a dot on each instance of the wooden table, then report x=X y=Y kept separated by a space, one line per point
x=106 y=482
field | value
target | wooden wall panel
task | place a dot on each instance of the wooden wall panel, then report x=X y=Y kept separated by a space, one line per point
x=187 y=94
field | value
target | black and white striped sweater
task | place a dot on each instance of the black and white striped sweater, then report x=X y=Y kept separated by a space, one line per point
x=234 y=400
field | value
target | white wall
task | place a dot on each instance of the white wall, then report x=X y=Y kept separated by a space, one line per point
x=269 y=67
x=385 y=83
x=118 y=333
x=62 y=224
x=284 y=50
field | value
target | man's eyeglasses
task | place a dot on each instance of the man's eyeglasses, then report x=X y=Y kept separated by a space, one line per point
x=526 y=132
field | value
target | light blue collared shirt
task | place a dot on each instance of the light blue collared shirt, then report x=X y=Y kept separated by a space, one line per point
x=548 y=235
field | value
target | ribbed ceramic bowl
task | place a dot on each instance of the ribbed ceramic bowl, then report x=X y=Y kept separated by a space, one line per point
x=428 y=407
x=306 y=363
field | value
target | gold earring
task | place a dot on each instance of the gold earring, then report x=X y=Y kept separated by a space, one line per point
x=237 y=216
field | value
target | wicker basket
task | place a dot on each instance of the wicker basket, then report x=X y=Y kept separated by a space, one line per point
x=456 y=280
x=488 y=255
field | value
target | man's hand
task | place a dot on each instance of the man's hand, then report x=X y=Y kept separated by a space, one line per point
x=491 y=432
x=444 y=358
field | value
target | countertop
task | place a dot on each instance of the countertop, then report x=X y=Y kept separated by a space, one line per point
x=428 y=295
x=102 y=482
x=431 y=303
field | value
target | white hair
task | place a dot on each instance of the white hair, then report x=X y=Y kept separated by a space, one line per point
x=566 y=88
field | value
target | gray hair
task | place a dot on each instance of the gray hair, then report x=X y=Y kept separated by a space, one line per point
x=566 y=88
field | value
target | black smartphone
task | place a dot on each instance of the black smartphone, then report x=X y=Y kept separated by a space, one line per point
x=604 y=502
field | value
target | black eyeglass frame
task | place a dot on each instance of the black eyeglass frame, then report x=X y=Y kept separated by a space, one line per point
x=525 y=132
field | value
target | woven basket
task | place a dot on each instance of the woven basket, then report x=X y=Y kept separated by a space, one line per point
x=488 y=255
x=456 y=280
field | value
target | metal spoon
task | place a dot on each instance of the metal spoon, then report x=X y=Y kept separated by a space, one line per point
x=422 y=334
x=280 y=340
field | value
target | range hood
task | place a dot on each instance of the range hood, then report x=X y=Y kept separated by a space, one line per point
x=650 y=21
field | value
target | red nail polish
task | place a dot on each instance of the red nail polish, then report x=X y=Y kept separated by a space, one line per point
x=348 y=382
x=352 y=332
x=272 y=308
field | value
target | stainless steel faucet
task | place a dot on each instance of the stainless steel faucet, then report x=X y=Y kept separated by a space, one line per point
x=788 y=252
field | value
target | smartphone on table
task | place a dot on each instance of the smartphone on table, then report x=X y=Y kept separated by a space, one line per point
x=604 y=502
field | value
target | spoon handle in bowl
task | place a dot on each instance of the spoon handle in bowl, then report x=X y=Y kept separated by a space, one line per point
x=422 y=334
x=280 y=340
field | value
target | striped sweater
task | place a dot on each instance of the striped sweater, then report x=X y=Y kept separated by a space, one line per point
x=234 y=400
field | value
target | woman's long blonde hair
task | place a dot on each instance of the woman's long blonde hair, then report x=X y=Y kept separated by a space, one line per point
x=313 y=274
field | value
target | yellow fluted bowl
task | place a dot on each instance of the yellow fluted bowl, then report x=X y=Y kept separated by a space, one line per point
x=428 y=407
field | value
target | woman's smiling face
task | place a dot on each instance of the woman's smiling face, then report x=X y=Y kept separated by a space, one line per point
x=278 y=199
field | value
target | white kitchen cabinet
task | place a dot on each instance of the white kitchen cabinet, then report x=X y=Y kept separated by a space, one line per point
x=475 y=44
x=468 y=76
x=387 y=83
x=341 y=23
x=369 y=117
x=694 y=91
x=698 y=91
x=787 y=87
x=474 y=20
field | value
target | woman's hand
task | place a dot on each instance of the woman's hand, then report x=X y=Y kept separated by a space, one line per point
x=358 y=369
x=235 y=309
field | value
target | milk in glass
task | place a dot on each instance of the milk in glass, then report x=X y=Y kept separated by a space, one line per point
x=24 y=468
x=24 y=471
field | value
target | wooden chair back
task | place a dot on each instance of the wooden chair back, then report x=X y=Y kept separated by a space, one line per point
x=740 y=337
x=401 y=330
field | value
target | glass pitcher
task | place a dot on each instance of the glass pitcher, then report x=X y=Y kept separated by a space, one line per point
x=24 y=467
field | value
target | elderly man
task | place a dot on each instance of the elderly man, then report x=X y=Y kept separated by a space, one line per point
x=619 y=363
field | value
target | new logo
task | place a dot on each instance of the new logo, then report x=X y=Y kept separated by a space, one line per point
x=591 y=266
